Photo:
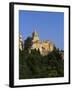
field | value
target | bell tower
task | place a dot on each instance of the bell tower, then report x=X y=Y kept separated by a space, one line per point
x=35 y=36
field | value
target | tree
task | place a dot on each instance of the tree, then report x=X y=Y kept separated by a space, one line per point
x=34 y=65
x=28 y=43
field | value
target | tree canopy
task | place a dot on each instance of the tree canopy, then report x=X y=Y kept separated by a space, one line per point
x=34 y=65
x=27 y=43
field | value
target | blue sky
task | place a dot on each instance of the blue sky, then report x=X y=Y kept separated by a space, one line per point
x=49 y=25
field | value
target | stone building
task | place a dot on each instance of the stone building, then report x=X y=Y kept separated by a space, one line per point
x=21 y=42
x=44 y=46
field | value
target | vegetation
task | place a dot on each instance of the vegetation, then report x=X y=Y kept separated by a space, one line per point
x=34 y=65
x=27 y=43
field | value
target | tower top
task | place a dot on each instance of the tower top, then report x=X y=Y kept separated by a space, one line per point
x=35 y=36
x=34 y=33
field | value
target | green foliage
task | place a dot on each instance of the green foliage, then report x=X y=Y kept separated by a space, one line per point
x=27 y=43
x=34 y=65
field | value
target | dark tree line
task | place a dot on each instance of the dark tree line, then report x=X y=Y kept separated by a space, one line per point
x=34 y=65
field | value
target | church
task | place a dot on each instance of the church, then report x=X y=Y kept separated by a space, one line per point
x=44 y=46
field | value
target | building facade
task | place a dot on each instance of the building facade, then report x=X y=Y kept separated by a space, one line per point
x=21 y=42
x=44 y=46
